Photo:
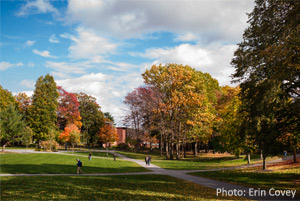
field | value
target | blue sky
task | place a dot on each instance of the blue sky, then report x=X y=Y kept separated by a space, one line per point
x=101 y=47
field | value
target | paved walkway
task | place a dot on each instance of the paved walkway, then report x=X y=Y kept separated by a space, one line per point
x=181 y=174
x=214 y=184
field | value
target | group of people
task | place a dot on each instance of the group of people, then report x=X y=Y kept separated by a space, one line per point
x=148 y=160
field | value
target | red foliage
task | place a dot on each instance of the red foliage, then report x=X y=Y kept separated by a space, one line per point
x=68 y=110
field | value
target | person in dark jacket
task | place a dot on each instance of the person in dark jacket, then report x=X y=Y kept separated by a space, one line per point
x=79 y=165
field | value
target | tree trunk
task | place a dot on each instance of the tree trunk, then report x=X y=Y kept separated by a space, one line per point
x=106 y=150
x=264 y=162
x=3 y=148
x=160 y=144
x=184 y=149
x=248 y=156
x=177 y=151
x=172 y=148
x=167 y=150
x=195 y=149
x=295 y=155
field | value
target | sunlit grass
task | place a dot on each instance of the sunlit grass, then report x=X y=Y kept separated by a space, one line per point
x=86 y=153
x=278 y=176
x=133 y=187
x=56 y=163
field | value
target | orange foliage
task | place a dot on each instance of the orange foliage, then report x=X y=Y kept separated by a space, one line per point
x=66 y=134
x=108 y=134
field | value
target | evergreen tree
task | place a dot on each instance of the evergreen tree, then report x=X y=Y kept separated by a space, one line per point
x=43 y=112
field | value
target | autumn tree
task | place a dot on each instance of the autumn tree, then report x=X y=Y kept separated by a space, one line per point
x=230 y=135
x=6 y=98
x=108 y=134
x=267 y=67
x=43 y=112
x=68 y=109
x=24 y=103
x=184 y=104
x=92 y=117
x=70 y=134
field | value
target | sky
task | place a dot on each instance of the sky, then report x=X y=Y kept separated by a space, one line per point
x=101 y=47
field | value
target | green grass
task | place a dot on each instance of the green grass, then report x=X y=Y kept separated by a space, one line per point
x=278 y=177
x=204 y=161
x=55 y=163
x=142 y=155
x=100 y=154
x=31 y=148
x=197 y=164
x=133 y=187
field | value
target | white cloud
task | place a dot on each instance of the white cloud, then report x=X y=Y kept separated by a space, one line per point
x=186 y=37
x=64 y=69
x=214 y=59
x=88 y=44
x=43 y=53
x=5 y=65
x=109 y=89
x=29 y=43
x=36 y=7
x=53 y=39
x=212 y=20
x=28 y=83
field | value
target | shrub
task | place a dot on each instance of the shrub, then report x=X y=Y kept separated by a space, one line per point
x=123 y=146
x=46 y=145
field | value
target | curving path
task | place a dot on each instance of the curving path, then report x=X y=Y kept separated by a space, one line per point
x=181 y=174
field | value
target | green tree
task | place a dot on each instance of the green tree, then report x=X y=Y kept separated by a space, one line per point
x=12 y=125
x=267 y=66
x=43 y=111
x=109 y=116
x=92 y=117
x=27 y=136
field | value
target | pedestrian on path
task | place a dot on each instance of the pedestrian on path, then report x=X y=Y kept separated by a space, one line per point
x=146 y=160
x=285 y=153
x=90 y=156
x=149 y=160
x=79 y=165
x=114 y=157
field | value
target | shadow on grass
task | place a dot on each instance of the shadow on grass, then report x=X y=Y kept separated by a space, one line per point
x=134 y=187
x=62 y=169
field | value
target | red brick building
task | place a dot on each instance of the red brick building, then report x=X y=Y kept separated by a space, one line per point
x=122 y=135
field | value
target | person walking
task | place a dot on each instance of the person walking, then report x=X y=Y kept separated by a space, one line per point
x=146 y=160
x=149 y=160
x=90 y=156
x=79 y=165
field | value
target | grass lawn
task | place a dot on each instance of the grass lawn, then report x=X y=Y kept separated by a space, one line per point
x=142 y=155
x=100 y=154
x=133 y=187
x=285 y=175
x=199 y=164
x=55 y=163
x=204 y=161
